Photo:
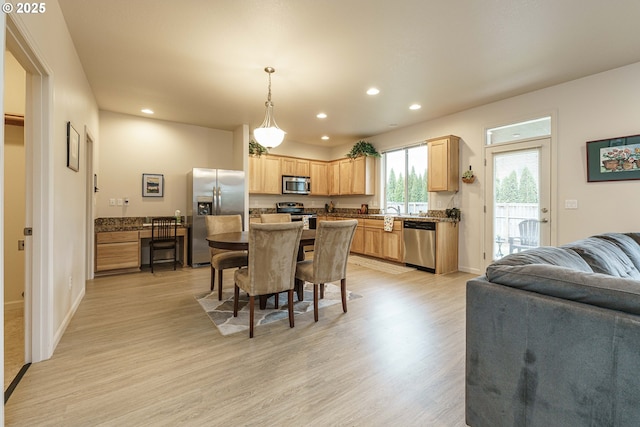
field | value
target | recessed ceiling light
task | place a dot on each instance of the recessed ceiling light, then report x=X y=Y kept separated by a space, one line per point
x=415 y=106
x=147 y=111
x=321 y=116
x=325 y=137
x=373 y=91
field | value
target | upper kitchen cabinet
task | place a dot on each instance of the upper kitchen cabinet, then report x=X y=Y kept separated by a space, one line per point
x=443 y=170
x=265 y=176
x=333 y=178
x=318 y=172
x=352 y=177
x=295 y=167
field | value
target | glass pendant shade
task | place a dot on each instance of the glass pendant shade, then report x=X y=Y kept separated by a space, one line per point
x=269 y=134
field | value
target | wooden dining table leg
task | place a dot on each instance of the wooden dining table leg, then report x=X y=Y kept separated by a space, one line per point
x=299 y=284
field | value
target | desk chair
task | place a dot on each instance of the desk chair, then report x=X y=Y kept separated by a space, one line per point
x=273 y=251
x=164 y=236
x=329 y=263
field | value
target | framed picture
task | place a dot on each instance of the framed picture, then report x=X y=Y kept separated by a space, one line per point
x=73 y=148
x=615 y=159
x=152 y=185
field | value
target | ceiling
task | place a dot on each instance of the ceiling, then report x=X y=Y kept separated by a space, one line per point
x=202 y=62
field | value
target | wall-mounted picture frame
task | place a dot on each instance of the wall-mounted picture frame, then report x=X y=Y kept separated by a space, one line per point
x=615 y=159
x=73 y=148
x=152 y=185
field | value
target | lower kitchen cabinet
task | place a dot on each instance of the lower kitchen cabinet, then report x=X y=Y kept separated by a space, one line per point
x=446 y=247
x=383 y=244
x=117 y=250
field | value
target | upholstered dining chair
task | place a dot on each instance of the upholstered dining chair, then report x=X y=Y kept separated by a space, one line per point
x=163 y=237
x=221 y=259
x=273 y=252
x=277 y=217
x=329 y=263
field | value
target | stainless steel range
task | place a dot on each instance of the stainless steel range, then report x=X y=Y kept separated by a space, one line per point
x=296 y=209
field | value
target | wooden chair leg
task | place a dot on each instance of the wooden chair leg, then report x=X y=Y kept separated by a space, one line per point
x=315 y=302
x=343 y=291
x=175 y=257
x=220 y=285
x=321 y=290
x=236 y=296
x=251 y=307
x=151 y=257
x=276 y=301
x=290 y=294
x=213 y=277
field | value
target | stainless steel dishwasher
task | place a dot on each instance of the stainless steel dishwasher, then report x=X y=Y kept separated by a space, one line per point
x=420 y=245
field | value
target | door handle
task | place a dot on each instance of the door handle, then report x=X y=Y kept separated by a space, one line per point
x=544 y=220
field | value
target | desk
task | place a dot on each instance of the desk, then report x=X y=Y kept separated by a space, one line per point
x=120 y=251
x=239 y=241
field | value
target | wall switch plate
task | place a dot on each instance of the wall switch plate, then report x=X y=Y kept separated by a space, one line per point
x=119 y=202
x=571 y=204
x=112 y=202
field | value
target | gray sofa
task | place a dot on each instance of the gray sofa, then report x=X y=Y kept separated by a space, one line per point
x=553 y=336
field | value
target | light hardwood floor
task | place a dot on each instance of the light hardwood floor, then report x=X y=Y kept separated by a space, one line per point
x=141 y=351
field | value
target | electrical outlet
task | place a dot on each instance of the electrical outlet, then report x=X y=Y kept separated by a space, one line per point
x=112 y=202
x=70 y=282
x=126 y=201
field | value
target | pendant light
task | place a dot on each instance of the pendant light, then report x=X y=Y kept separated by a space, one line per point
x=269 y=134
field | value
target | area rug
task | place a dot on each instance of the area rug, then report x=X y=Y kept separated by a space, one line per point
x=221 y=312
x=385 y=267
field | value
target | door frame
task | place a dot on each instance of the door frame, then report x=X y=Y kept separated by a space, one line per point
x=39 y=190
x=488 y=198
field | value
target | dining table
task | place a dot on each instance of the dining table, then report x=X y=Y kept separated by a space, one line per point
x=239 y=241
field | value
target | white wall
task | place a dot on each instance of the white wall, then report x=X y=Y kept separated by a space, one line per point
x=601 y=106
x=131 y=146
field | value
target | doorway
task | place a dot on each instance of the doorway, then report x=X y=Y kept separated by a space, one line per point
x=14 y=221
x=518 y=196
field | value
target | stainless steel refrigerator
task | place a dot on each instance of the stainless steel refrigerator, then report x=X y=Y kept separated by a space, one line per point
x=210 y=192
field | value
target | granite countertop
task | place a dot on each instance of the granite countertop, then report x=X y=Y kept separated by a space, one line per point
x=425 y=218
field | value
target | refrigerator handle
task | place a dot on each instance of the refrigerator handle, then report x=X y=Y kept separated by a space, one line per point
x=219 y=204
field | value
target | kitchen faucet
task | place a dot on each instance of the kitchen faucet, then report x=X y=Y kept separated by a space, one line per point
x=397 y=209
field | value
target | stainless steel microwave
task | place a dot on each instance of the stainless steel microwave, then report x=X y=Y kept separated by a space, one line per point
x=295 y=184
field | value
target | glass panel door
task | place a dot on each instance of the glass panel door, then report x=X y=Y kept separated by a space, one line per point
x=517 y=198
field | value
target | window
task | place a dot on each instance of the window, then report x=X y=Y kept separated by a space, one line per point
x=405 y=174
x=535 y=128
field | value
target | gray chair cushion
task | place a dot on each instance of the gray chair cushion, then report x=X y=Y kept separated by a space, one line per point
x=546 y=255
x=604 y=256
x=601 y=290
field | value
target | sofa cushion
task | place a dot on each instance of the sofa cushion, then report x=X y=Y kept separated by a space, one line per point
x=596 y=289
x=604 y=256
x=627 y=244
x=546 y=255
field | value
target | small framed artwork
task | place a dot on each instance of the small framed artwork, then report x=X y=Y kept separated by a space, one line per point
x=615 y=159
x=152 y=185
x=73 y=148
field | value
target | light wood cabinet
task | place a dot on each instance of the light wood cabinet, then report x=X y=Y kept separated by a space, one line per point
x=334 y=178
x=352 y=177
x=318 y=172
x=383 y=244
x=265 y=175
x=117 y=250
x=443 y=158
x=446 y=247
x=294 y=166
x=393 y=243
